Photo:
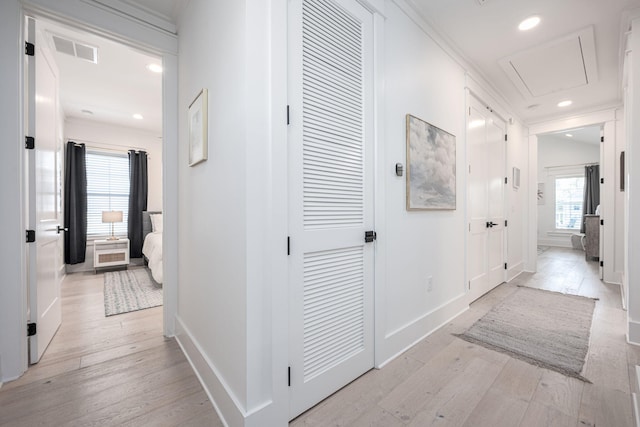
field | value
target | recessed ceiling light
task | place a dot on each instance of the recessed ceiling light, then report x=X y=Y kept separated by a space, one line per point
x=568 y=135
x=565 y=103
x=138 y=116
x=154 y=68
x=87 y=112
x=529 y=23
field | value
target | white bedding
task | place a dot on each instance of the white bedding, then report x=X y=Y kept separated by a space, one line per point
x=152 y=249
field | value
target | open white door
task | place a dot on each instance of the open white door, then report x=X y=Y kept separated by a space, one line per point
x=331 y=198
x=46 y=262
x=486 y=245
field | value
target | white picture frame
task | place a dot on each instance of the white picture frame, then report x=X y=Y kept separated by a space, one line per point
x=198 y=129
x=516 y=178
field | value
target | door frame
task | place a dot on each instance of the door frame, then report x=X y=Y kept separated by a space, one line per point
x=130 y=30
x=471 y=94
x=606 y=119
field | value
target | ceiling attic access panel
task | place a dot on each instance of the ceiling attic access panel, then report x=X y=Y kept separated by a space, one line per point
x=565 y=63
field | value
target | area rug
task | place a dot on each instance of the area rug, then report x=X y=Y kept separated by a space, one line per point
x=130 y=290
x=546 y=329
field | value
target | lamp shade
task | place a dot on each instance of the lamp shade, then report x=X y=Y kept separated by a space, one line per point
x=111 y=216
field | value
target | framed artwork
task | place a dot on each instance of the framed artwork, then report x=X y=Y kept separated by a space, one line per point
x=516 y=178
x=198 y=130
x=431 y=166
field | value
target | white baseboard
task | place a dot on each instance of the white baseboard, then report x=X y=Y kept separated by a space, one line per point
x=400 y=340
x=515 y=271
x=633 y=333
x=225 y=403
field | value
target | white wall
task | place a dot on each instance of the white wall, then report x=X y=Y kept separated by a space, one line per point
x=557 y=157
x=516 y=203
x=99 y=135
x=421 y=80
x=12 y=245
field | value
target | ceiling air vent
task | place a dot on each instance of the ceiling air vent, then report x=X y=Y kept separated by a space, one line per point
x=559 y=65
x=77 y=49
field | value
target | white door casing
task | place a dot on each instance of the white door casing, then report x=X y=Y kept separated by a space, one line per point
x=44 y=164
x=330 y=197
x=486 y=195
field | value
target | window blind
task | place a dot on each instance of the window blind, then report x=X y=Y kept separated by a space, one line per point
x=107 y=190
x=569 y=199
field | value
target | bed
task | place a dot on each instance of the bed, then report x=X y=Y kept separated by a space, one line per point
x=152 y=246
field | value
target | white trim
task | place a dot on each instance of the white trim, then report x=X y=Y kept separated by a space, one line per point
x=633 y=332
x=634 y=397
x=107 y=23
x=413 y=331
x=430 y=322
x=222 y=398
x=515 y=271
x=587 y=119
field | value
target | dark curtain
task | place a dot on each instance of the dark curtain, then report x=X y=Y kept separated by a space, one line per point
x=591 y=191
x=138 y=190
x=75 y=204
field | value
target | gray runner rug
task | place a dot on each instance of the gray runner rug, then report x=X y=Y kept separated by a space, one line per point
x=130 y=290
x=546 y=329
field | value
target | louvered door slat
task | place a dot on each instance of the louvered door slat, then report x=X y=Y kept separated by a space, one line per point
x=331 y=197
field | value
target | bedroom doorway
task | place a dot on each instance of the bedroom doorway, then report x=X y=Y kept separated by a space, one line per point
x=110 y=110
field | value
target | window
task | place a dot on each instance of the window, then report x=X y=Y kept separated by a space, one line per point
x=569 y=196
x=107 y=190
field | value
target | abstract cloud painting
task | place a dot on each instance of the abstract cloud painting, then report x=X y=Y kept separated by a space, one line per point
x=431 y=166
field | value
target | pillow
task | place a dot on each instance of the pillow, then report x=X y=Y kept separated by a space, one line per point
x=156 y=223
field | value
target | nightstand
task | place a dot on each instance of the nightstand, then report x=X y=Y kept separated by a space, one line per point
x=110 y=253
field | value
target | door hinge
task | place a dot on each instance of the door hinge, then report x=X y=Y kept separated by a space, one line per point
x=505 y=222
x=601 y=180
x=505 y=179
x=29 y=142
x=602 y=139
x=289 y=376
x=370 y=236
x=31 y=236
x=602 y=222
x=505 y=137
x=505 y=265
x=29 y=49
x=288 y=245
x=601 y=263
x=31 y=329
x=288 y=114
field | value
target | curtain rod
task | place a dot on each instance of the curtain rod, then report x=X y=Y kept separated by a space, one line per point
x=107 y=147
x=572 y=166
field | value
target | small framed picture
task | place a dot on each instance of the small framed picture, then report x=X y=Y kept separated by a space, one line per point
x=198 y=130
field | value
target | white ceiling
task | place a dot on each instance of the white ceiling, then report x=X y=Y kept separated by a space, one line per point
x=587 y=135
x=114 y=89
x=484 y=35
x=483 y=32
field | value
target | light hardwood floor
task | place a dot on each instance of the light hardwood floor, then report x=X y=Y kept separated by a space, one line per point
x=106 y=371
x=444 y=381
x=121 y=371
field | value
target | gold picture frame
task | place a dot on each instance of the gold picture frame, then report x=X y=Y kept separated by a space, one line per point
x=198 y=129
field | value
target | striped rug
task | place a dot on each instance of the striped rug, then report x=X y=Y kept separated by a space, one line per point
x=130 y=290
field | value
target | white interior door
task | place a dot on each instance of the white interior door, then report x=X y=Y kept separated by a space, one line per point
x=331 y=197
x=46 y=263
x=486 y=186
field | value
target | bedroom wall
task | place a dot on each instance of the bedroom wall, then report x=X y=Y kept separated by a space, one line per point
x=553 y=155
x=100 y=135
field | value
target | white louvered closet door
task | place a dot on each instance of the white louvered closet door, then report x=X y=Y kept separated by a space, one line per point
x=330 y=196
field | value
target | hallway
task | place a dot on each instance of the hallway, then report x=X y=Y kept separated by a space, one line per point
x=446 y=381
x=121 y=371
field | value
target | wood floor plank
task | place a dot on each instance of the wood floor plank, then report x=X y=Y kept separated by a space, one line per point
x=539 y=415
x=559 y=391
x=106 y=371
x=497 y=409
